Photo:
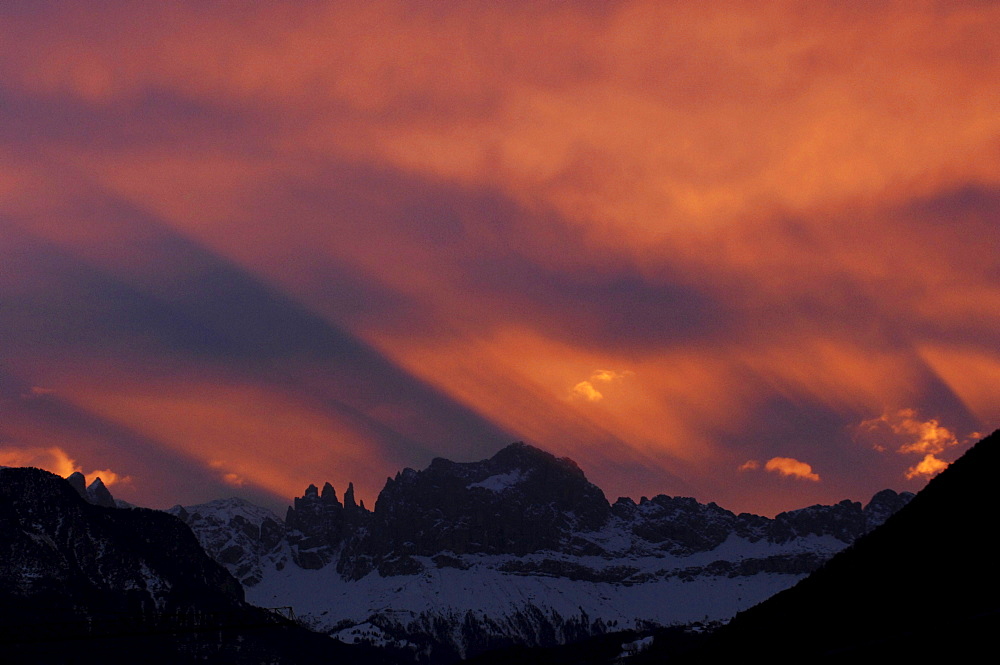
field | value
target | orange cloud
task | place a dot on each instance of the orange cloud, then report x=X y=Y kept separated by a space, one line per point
x=789 y=466
x=928 y=467
x=57 y=461
x=749 y=465
x=550 y=159
x=908 y=434
x=586 y=389
x=229 y=477
x=919 y=436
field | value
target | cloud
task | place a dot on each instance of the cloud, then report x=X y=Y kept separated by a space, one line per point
x=233 y=479
x=906 y=433
x=586 y=389
x=609 y=375
x=789 y=466
x=229 y=477
x=929 y=435
x=749 y=465
x=928 y=467
x=911 y=434
x=57 y=461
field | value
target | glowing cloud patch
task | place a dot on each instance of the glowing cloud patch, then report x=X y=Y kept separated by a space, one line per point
x=233 y=479
x=922 y=436
x=749 y=465
x=912 y=435
x=586 y=390
x=57 y=461
x=928 y=467
x=789 y=466
x=229 y=477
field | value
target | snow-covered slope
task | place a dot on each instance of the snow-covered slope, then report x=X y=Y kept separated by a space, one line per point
x=237 y=533
x=517 y=549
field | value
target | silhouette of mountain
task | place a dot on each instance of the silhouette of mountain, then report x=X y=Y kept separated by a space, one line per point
x=83 y=582
x=924 y=586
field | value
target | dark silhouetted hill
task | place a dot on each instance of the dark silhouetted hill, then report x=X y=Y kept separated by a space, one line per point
x=923 y=587
x=87 y=583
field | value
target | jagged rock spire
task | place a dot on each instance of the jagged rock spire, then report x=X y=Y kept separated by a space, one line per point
x=349 y=502
x=99 y=495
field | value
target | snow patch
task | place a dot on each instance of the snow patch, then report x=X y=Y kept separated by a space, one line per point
x=500 y=482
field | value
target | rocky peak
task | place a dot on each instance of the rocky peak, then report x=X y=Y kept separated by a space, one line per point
x=520 y=455
x=96 y=493
x=99 y=495
x=883 y=505
x=78 y=482
x=350 y=505
x=318 y=524
x=520 y=500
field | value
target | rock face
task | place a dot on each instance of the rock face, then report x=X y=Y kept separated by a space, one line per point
x=83 y=582
x=237 y=533
x=519 y=548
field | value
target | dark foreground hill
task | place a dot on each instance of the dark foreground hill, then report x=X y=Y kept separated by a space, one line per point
x=923 y=587
x=82 y=583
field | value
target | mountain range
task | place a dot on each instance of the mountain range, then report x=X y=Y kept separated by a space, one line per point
x=519 y=549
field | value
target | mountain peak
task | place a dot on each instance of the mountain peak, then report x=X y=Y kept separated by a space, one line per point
x=99 y=495
x=78 y=482
x=520 y=455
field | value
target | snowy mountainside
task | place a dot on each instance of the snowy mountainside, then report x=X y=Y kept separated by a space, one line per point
x=520 y=548
x=237 y=534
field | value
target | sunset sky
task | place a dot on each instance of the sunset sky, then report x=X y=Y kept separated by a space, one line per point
x=746 y=252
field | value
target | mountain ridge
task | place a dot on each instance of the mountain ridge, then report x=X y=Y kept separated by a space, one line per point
x=519 y=548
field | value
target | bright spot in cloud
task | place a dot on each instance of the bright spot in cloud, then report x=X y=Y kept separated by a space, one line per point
x=233 y=479
x=230 y=478
x=928 y=467
x=789 y=466
x=57 y=461
x=586 y=390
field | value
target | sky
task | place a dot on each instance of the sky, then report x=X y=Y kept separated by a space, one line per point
x=738 y=251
